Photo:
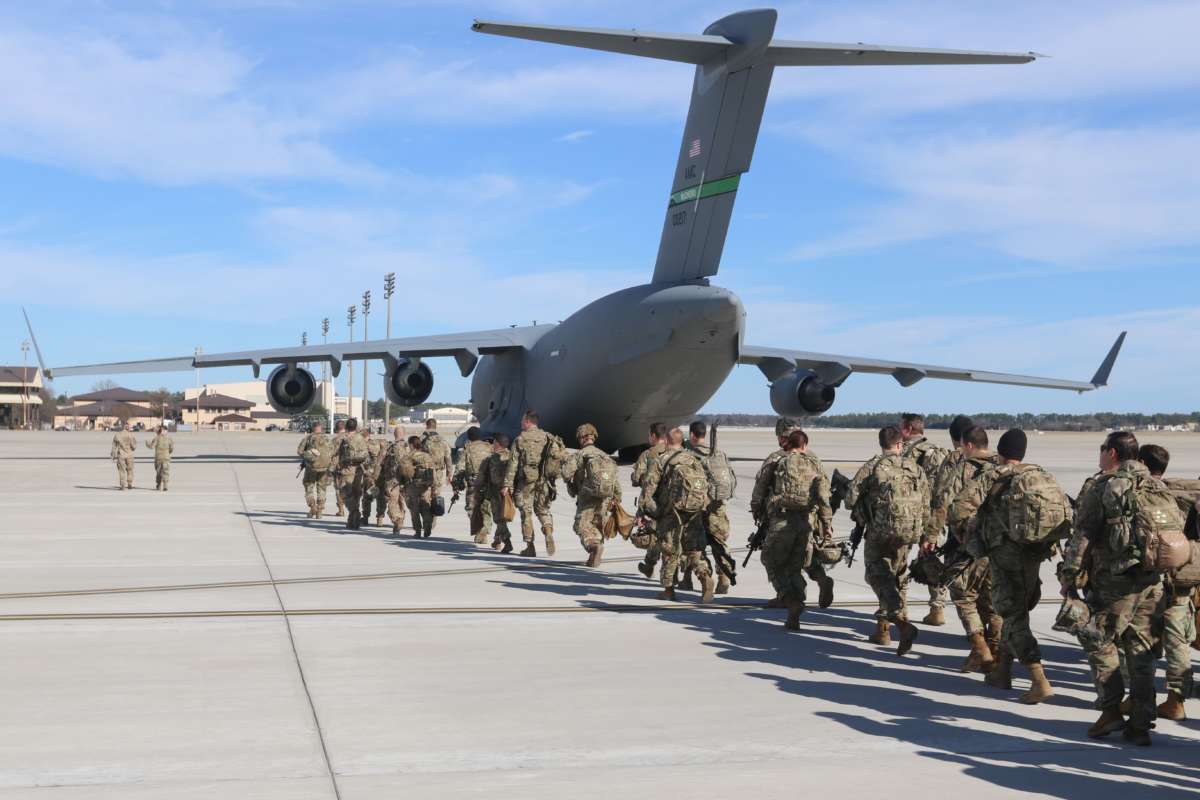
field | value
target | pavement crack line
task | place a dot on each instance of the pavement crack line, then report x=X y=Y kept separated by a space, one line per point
x=287 y=622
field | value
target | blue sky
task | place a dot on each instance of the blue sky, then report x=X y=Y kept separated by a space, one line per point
x=225 y=174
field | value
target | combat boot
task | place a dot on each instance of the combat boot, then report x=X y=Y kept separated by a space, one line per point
x=980 y=659
x=597 y=550
x=497 y=544
x=1000 y=676
x=706 y=588
x=795 y=609
x=505 y=549
x=1172 y=707
x=646 y=569
x=396 y=528
x=666 y=594
x=1039 y=688
x=686 y=583
x=908 y=635
x=776 y=602
x=883 y=633
x=936 y=617
x=1110 y=721
x=549 y=542
x=1126 y=707
x=529 y=550
x=379 y=519
x=825 y=598
x=722 y=584
x=1138 y=736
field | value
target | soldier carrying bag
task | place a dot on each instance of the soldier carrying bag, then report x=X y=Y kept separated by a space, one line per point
x=599 y=479
x=687 y=484
x=1030 y=507
x=897 y=499
x=1152 y=524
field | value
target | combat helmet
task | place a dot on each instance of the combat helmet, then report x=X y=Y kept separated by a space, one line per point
x=586 y=429
x=785 y=425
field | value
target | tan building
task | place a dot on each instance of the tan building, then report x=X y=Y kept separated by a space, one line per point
x=207 y=407
x=20 y=402
x=105 y=415
x=118 y=394
x=232 y=422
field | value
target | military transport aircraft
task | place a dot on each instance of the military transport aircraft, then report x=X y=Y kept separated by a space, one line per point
x=660 y=350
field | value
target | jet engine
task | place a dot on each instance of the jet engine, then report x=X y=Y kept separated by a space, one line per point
x=291 y=389
x=409 y=384
x=801 y=393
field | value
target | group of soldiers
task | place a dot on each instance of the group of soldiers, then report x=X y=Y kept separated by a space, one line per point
x=124 y=447
x=974 y=524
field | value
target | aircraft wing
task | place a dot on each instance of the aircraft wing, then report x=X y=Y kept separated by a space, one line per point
x=833 y=369
x=465 y=348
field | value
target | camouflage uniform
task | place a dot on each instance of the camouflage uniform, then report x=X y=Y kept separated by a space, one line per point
x=352 y=456
x=930 y=457
x=372 y=470
x=124 y=445
x=394 y=483
x=791 y=535
x=490 y=482
x=470 y=459
x=317 y=452
x=640 y=469
x=335 y=471
x=963 y=483
x=1123 y=596
x=681 y=540
x=420 y=492
x=443 y=465
x=1177 y=617
x=590 y=512
x=532 y=492
x=163 y=447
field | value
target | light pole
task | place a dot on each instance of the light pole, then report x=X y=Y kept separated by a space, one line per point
x=199 y=350
x=24 y=385
x=389 y=288
x=366 y=307
x=351 y=315
x=325 y=373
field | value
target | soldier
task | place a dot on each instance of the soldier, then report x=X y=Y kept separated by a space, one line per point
x=491 y=487
x=372 y=469
x=532 y=473
x=797 y=512
x=470 y=458
x=335 y=469
x=395 y=475
x=316 y=451
x=721 y=485
x=351 y=456
x=1176 y=617
x=163 y=447
x=124 y=446
x=944 y=486
x=1124 y=594
x=591 y=478
x=657 y=439
x=930 y=457
x=889 y=497
x=783 y=428
x=420 y=488
x=675 y=493
x=973 y=466
x=443 y=463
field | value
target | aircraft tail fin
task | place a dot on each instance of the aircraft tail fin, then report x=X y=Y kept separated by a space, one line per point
x=734 y=59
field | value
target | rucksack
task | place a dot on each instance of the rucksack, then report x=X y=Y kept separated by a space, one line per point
x=553 y=454
x=1188 y=576
x=323 y=458
x=599 y=478
x=722 y=482
x=1030 y=506
x=793 y=480
x=353 y=451
x=898 y=500
x=687 y=483
x=1187 y=495
x=1156 y=525
x=436 y=446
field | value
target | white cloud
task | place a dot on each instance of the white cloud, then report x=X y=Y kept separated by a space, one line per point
x=575 y=136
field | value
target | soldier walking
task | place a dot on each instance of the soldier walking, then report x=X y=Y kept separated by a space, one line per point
x=721 y=485
x=657 y=438
x=889 y=497
x=124 y=446
x=492 y=486
x=532 y=472
x=316 y=452
x=335 y=468
x=420 y=488
x=163 y=447
x=372 y=469
x=929 y=457
x=591 y=478
x=352 y=455
x=443 y=465
x=394 y=477
x=675 y=493
x=470 y=460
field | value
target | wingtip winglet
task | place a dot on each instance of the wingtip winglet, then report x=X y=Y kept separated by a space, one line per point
x=1101 y=376
x=36 y=348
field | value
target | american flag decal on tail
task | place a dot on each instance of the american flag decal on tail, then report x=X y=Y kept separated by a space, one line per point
x=694 y=150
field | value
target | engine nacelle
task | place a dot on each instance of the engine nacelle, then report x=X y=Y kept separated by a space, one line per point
x=291 y=390
x=409 y=384
x=801 y=393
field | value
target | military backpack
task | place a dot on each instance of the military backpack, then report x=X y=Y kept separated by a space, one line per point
x=1187 y=495
x=793 y=481
x=722 y=482
x=436 y=446
x=353 y=451
x=897 y=500
x=552 y=456
x=1152 y=523
x=599 y=479
x=686 y=483
x=322 y=458
x=1029 y=507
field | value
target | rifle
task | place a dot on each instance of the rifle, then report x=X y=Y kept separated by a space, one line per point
x=756 y=540
x=856 y=536
x=726 y=564
x=298 y=472
x=453 y=500
x=840 y=487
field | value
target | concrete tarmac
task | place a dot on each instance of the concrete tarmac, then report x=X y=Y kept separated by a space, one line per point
x=212 y=642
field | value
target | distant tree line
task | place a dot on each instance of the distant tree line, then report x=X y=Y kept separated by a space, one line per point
x=1105 y=420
